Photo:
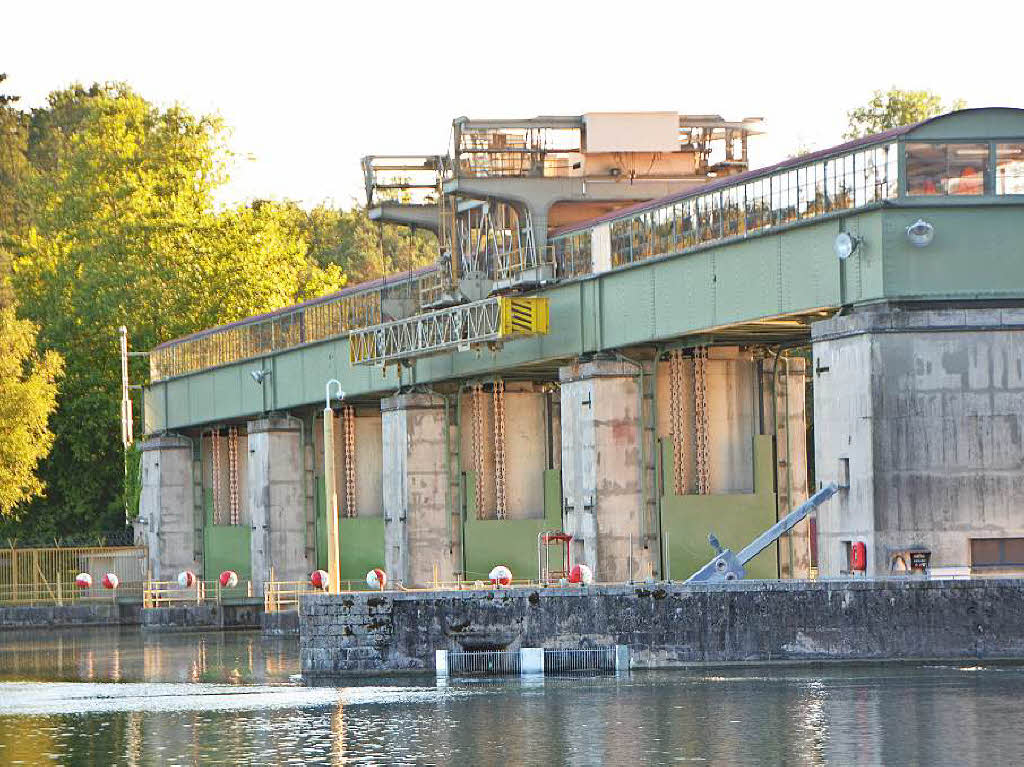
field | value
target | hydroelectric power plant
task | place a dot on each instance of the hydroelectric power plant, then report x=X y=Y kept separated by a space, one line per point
x=629 y=340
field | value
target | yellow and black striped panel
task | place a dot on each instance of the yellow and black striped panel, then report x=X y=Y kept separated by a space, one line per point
x=523 y=316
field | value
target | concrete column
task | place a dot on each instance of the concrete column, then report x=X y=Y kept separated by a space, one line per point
x=416 y=524
x=921 y=413
x=167 y=506
x=276 y=501
x=601 y=469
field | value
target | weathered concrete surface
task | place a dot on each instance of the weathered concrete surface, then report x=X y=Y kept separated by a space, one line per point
x=416 y=524
x=81 y=614
x=276 y=496
x=167 y=506
x=668 y=625
x=927 y=409
x=601 y=469
x=205 y=617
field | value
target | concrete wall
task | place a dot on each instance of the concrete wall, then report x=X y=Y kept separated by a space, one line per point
x=369 y=461
x=927 y=407
x=167 y=506
x=83 y=614
x=670 y=624
x=526 y=455
x=416 y=522
x=276 y=502
x=601 y=469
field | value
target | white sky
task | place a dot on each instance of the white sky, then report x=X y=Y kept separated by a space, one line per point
x=310 y=87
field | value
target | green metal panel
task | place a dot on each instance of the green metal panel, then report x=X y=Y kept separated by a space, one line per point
x=684 y=294
x=510 y=542
x=808 y=267
x=977 y=252
x=225 y=547
x=362 y=541
x=736 y=519
x=747 y=280
x=973 y=123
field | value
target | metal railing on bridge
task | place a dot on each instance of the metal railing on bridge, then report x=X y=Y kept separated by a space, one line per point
x=158 y=594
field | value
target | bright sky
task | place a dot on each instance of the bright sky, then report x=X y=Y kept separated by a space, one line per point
x=310 y=87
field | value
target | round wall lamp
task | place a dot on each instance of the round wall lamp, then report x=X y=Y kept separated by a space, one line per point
x=920 y=233
x=846 y=244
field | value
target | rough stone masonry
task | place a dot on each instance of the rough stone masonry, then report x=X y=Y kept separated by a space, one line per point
x=668 y=625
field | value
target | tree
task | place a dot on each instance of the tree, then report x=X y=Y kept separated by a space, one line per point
x=121 y=229
x=893 y=108
x=28 y=395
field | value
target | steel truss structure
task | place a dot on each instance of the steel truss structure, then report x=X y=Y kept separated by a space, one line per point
x=457 y=327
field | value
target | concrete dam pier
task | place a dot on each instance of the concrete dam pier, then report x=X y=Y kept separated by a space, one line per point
x=669 y=625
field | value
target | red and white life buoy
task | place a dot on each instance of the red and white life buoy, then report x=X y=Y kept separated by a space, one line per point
x=110 y=581
x=228 y=579
x=83 y=580
x=581 y=574
x=501 y=576
x=376 y=579
x=319 y=579
x=186 y=579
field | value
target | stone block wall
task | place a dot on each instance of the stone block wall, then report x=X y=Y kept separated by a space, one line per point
x=667 y=625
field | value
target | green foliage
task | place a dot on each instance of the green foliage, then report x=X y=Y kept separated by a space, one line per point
x=116 y=225
x=28 y=395
x=132 y=480
x=893 y=108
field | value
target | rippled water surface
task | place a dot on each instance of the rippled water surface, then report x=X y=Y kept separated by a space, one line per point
x=103 y=697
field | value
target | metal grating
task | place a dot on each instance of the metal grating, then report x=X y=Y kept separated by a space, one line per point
x=572 y=661
x=485 y=662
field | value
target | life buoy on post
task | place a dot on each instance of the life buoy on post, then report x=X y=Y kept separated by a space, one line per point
x=581 y=574
x=228 y=579
x=83 y=580
x=319 y=579
x=376 y=579
x=110 y=581
x=501 y=576
x=186 y=579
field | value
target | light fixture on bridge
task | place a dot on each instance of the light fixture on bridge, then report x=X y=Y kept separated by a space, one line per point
x=260 y=375
x=846 y=244
x=920 y=233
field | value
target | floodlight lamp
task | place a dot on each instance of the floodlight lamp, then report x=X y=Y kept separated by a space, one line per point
x=845 y=245
x=259 y=375
x=920 y=233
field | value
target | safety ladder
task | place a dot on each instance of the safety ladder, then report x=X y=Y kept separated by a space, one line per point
x=648 y=450
x=453 y=456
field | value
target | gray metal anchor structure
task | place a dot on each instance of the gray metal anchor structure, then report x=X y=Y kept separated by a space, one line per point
x=727 y=566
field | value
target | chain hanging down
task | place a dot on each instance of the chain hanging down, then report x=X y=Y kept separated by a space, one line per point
x=700 y=398
x=677 y=429
x=478 y=447
x=215 y=469
x=348 y=428
x=233 y=475
x=500 y=504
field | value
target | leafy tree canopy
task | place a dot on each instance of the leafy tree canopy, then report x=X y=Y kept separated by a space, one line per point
x=111 y=221
x=28 y=395
x=893 y=108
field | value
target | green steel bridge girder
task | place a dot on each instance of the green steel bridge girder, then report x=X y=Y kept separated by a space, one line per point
x=722 y=291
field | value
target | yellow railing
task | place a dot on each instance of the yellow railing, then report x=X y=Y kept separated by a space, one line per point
x=171 y=593
x=47 y=575
x=281 y=596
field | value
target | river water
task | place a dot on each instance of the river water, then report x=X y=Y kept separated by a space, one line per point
x=105 y=697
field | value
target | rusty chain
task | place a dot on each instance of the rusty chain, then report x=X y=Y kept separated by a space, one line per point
x=348 y=427
x=700 y=398
x=233 y=475
x=500 y=505
x=478 y=448
x=677 y=431
x=215 y=469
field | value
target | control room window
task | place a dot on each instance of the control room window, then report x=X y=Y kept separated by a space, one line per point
x=997 y=552
x=946 y=169
x=1010 y=168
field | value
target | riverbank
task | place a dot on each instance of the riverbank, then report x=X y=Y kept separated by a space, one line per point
x=671 y=625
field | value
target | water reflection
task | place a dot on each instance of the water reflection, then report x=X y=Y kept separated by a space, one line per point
x=123 y=697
